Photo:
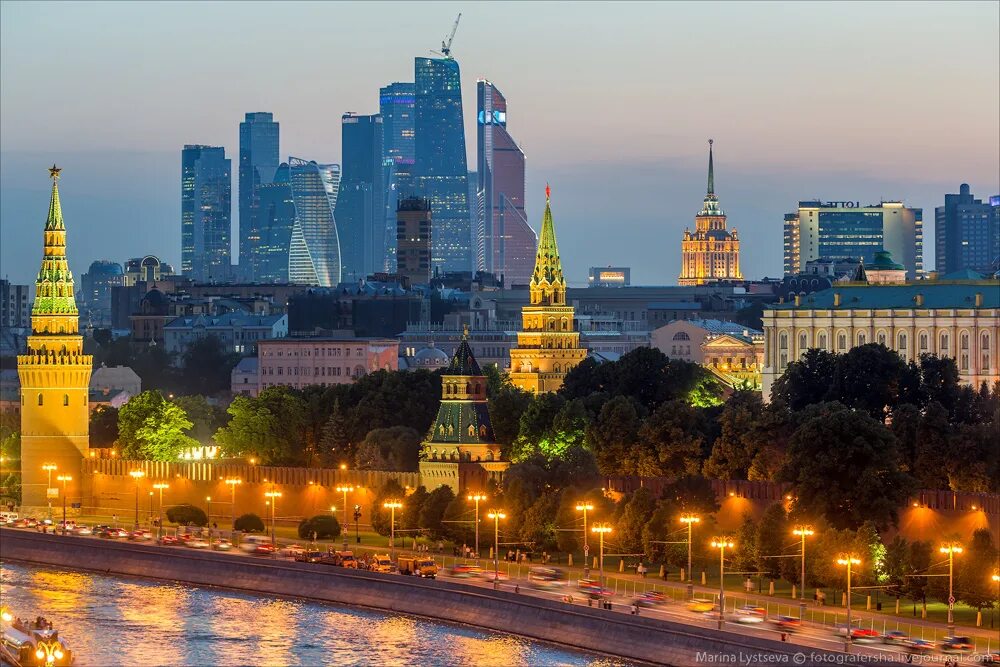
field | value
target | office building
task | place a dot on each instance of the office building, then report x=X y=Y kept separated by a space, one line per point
x=236 y=331
x=845 y=229
x=609 y=276
x=150 y=269
x=206 y=209
x=15 y=308
x=304 y=362
x=414 y=230
x=548 y=345
x=967 y=233
x=360 y=210
x=396 y=106
x=275 y=215
x=711 y=253
x=440 y=167
x=314 y=247
x=504 y=242
x=259 y=152
x=94 y=297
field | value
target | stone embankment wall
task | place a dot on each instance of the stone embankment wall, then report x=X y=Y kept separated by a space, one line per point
x=637 y=638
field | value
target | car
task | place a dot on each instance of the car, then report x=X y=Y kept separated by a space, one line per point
x=291 y=550
x=920 y=646
x=310 y=556
x=546 y=577
x=196 y=543
x=864 y=634
x=140 y=535
x=169 y=541
x=382 y=563
x=787 y=623
x=957 y=644
x=82 y=529
x=751 y=614
x=464 y=571
x=895 y=637
x=222 y=544
x=264 y=549
x=701 y=606
x=109 y=532
x=593 y=588
x=30 y=522
x=991 y=658
x=490 y=575
x=650 y=599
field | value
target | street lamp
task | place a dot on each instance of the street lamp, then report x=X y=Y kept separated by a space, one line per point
x=233 y=482
x=848 y=560
x=392 y=506
x=208 y=519
x=64 y=479
x=690 y=520
x=951 y=549
x=159 y=486
x=803 y=532
x=49 y=651
x=722 y=543
x=137 y=475
x=477 y=497
x=496 y=515
x=273 y=500
x=601 y=529
x=345 y=490
x=49 y=467
x=149 y=517
x=357 y=517
x=585 y=507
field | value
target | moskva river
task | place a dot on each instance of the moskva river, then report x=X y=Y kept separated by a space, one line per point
x=108 y=620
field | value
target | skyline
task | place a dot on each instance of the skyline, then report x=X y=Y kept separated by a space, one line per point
x=767 y=151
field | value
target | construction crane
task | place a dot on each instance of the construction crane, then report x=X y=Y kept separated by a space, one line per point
x=446 y=46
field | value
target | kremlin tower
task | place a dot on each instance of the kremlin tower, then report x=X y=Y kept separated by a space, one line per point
x=548 y=345
x=711 y=253
x=54 y=374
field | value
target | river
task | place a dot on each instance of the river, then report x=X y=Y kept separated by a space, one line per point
x=110 y=620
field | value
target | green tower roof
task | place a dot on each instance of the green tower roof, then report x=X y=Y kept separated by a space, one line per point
x=548 y=266
x=463 y=363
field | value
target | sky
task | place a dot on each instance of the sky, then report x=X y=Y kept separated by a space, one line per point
x=613 y=105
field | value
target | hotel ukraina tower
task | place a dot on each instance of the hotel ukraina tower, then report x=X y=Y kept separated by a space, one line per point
x=54 y=374
x=548 y=345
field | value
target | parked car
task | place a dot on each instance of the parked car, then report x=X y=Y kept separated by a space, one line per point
x=310 y=556
x=140 y=535
x=418 y=566
x=957 y=644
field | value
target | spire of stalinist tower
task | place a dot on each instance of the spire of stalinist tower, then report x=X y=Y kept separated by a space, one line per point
x=711 y=169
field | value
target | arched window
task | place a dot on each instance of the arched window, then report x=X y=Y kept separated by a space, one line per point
x=65 y=400
x=822 y=341
x=841 y=342
x=944 y=343
x=681 y=335
x=923 y=342
x=861 y=339
x=965 y=341
x=803 y=341
x=901 y=346
x=782 y=341
x=40 y=399
x=984 y=348
x=881 y=338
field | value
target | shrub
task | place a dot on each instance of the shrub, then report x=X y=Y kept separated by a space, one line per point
x=324 y=525
x=249 y=523
x=187 y=515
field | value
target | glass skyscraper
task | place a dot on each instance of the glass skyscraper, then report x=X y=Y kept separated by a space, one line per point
x=206 y=210
x=396 y=106
x=314 y=248
x=967 y=233
x=361 y=224
x=258 y=162
x=440 y=166
x=504 y=242
x=276 y=215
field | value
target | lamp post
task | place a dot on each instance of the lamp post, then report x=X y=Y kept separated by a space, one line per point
x=233 y=482
x=345 y=490
x=49 y=467
x=392 y=506
x=848 y=560
x=477 y=497
x=357 y=517
x=585 y=507
x=208 y=520
x=137 y=475
x=690 y=520
x=64 y=479
x=951 y=549
x=722 y=543
x=496 y=515
x=601 y=529
x=159 y=486
x=149 y=516
x=272 y=497
x=803 y=532
x=50 y=651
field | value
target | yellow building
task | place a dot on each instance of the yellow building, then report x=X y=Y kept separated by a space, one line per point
x=711 y=253
x=55 y=376
x=548 y=345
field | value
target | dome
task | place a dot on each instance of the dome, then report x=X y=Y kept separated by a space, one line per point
x=883 y=262
x=431 y=357
x=154 y=303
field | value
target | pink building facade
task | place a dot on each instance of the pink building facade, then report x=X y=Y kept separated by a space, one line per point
x=300 y=362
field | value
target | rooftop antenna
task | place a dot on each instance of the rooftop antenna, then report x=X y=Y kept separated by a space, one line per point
x=446 y=45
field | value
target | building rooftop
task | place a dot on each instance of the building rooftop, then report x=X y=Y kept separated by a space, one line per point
x=936 y=295
x=227 y=320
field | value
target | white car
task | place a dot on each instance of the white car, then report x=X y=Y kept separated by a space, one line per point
x=751 y=614
x=196 y=543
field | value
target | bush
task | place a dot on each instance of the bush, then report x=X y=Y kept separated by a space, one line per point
x=324 y=525
x=187 y=515
x=249 y=523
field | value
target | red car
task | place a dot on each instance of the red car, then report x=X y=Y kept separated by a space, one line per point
x=264 y=549
x=864 y=634
x=168 y=541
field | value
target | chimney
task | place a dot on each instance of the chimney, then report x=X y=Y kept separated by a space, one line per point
x=798 y=299
x=836 y=299
x=919 y=299
x=979 y=299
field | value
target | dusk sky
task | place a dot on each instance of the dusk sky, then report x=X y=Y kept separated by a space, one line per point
x=612 y=103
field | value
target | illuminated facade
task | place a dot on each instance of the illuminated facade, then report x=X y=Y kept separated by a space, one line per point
x=461 y=450
x=314 y=246
x=258 y=161
x=548 y=345
x=711 y=253
x=54 y=374
x=396 y=106
x=206 y=209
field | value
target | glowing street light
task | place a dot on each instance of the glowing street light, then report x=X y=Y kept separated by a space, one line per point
x=803 y=532
x=345 y=489
x=477 y=497
x=272 y=497
x=64 y=479
x=496 y=515
x=601 y=529
x=585 y=507
x=690 y=520
x=392 y=506
x=722 y=543
x=951 y=549
x=233 y=482
x=159 y=486
x=848 y=560
x=49 y=468
x=137 y=475
x=208 y=517
x=49 y=651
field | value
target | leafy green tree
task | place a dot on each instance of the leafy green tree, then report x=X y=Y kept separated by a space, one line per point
x=845 y=466
x=830 y=543
x=897 y=565
x=536 y=426
x=569 y=520
x=103 y=426
x=740 y=439
x=409 y=518
x=249 y=523
x=872 y=571
x=507 y=404
x=432 y=510
x=635 y=512
x=538 y=528
x=380 y=516
x=672 y=431
x=576 y=467
x=268 y=427
x=152 y=428
x=974 y=584
x=396 y=448
x=919 y=561
x=187 y=515
x=805 y=381
x=613 y=436
x=974 y=458
x=205 y=418
x=393 y=398
x=773 y=537
x=939 y=380
x=875 y=379
x=335 y=442
x=459 y=522
x=325 y=526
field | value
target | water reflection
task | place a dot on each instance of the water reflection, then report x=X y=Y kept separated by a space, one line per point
x=110 y=621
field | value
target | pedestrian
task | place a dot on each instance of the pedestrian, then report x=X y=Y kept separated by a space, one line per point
x=635 y=608
x=517 y=588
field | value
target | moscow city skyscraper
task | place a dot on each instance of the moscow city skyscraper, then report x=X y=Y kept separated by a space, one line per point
x=504 y=242
x=440 y=167
x=967 y=233
x=258 y=162
x=314 y=247
x=360 y=210
x=396 y=106
x=206 y=210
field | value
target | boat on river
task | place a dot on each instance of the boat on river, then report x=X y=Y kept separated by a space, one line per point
x=31 y=643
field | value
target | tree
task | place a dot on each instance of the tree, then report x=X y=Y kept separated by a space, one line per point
x=931 y=450
x=268 y=427
x=805 y=381
x=740 y=439
x=875 y=379
x=432 y=510
x=207 y=366
x=538 y=529
x=103 y=426
x=335 y=442
x=872 y=571
x=845 y=466
x=249 y=523
x=380 y=516
x=569 y=520
x=746 y=552
x=536 y=426
x=939 y=380
x=325 y=526
x=396 y=448
x=672 y=432
x=772 y=537
x=459 y=521
x=393 y=398
x=974 y=585
x=974 y=458
x=506 y=407
x=409 y=518
x=187 y=515
x=918 y=562
x=205 y=418
x=152 y=428
x=635 y=511
x=613 y=435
